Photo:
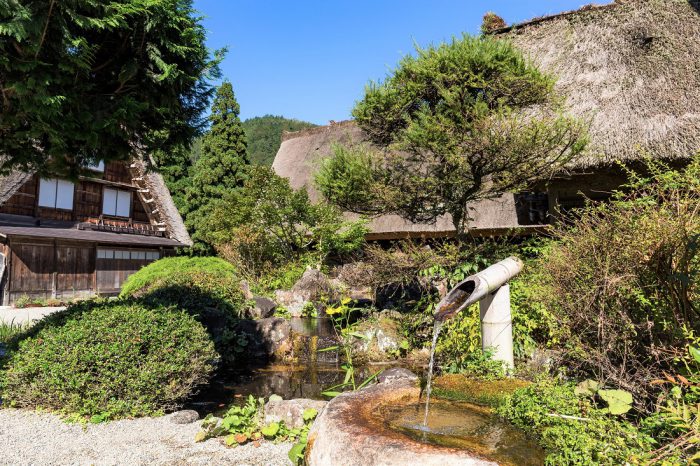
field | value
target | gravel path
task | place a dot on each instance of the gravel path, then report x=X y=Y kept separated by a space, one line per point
x=28 y=438
x=17 y=316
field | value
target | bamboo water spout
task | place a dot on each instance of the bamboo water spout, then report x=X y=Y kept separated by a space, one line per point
x=490 y=288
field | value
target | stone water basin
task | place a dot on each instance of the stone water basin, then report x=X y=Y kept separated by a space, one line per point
x=383 y=425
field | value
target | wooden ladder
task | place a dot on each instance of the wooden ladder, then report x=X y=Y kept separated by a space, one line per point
x=146 y=197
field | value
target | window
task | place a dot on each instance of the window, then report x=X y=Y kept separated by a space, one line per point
x=56 y=194
x=116 y=202
x=123 y=254
x=97 y=167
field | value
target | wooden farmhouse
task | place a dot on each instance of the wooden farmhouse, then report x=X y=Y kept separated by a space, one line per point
x=64 y=239
x=630 y=68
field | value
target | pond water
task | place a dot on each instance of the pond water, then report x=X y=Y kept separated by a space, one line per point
x=465 y=426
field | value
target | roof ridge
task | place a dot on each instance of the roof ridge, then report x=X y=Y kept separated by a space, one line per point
x=541 y=19
x=287 y=135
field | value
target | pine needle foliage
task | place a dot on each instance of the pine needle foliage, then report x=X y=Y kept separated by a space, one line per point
x=221 y=167
x=457 y=122
x=90 y=79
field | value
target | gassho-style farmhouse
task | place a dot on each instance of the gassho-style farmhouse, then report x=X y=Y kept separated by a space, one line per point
x=631 y=68
x=63 y=239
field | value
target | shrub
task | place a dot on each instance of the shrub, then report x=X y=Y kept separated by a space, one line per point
x=623 y=279
x=267 y=224
x=109 y=360
x=206 y=287
x=570 y=428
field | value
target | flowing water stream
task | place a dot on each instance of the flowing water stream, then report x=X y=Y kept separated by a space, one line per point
x=428 y=386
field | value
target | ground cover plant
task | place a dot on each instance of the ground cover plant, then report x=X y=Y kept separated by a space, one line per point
x=246 y=423
x=107 y=360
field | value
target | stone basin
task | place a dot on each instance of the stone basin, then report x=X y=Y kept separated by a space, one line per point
x=379 y=425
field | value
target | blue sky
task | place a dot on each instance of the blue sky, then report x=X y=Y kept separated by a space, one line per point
x=311 y=59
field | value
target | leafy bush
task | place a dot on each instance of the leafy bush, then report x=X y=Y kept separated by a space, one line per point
x=571 y=429
x=623 y=279
x=109 y=360
x=206 y=287
x=267 y=224
x=242 y=424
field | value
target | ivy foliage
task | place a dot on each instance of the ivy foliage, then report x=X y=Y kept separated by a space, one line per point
x=457 y=122
x=220 y=169
x=92 y=79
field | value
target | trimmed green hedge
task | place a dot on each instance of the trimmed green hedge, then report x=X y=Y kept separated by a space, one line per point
x=207 y=287
x=109 y=360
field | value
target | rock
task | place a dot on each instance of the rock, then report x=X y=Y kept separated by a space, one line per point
x=378 y=339
x=291 y=411
x=395 y=374
x=264 y=307
x=268 y=338
x=390 y=314
x=314 y=285
x=293 y=302
x=186 y=416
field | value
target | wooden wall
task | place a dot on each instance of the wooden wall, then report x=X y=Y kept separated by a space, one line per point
x=43 y=269
x=87 y=198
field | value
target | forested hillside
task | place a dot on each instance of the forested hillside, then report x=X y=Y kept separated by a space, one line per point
x=264 y=136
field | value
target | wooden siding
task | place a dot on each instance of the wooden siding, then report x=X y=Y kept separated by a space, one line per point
x=87 y=198
x=43 y=269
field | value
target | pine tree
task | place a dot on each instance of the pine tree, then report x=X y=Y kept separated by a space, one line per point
x=220 y=169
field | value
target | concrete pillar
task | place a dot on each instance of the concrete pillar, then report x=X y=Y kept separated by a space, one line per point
x=496 y=325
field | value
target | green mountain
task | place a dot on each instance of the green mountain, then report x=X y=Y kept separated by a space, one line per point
x=264 y=136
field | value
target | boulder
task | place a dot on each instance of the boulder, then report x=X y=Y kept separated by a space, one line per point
x=186 y=416
x=395 y=374
x=293 y=302
x=264 y=307
x=267 y=339
x=291 y=411
x=379 y=339
x=314 y=285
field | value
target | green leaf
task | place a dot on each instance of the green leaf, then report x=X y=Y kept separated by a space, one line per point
x=201 y=436
x=587 y=388
x=695 y=353
x=230 y=440
x=271 y=429
x=296 y=453
x=619 y=401
x=331 y=394
x=274 y=397
x=309 y=414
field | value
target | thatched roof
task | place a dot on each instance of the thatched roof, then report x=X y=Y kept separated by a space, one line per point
x=164 y=211
x=301 y=152
x=632 y=67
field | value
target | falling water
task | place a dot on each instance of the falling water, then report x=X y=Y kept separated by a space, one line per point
x=436 y=333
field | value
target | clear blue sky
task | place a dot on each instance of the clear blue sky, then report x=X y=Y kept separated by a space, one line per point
x=311 y=59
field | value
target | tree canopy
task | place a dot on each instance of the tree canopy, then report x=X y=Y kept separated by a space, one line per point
x=91 y=79
x=458 y=122
x=265 y=136
x=220 y=169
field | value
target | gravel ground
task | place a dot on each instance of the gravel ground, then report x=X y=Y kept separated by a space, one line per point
x=12 y=315
x=28 y=438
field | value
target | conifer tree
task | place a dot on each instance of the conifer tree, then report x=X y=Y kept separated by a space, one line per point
x=221 y=167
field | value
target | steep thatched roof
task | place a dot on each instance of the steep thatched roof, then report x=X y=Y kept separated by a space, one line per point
x=299 y=157
x=10 y=183
x=632 y=67
x=164 y=210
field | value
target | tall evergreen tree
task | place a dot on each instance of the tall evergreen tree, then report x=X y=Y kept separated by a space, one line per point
x=221 y=167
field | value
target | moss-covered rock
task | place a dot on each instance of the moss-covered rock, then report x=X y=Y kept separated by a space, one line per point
x=485 y=392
